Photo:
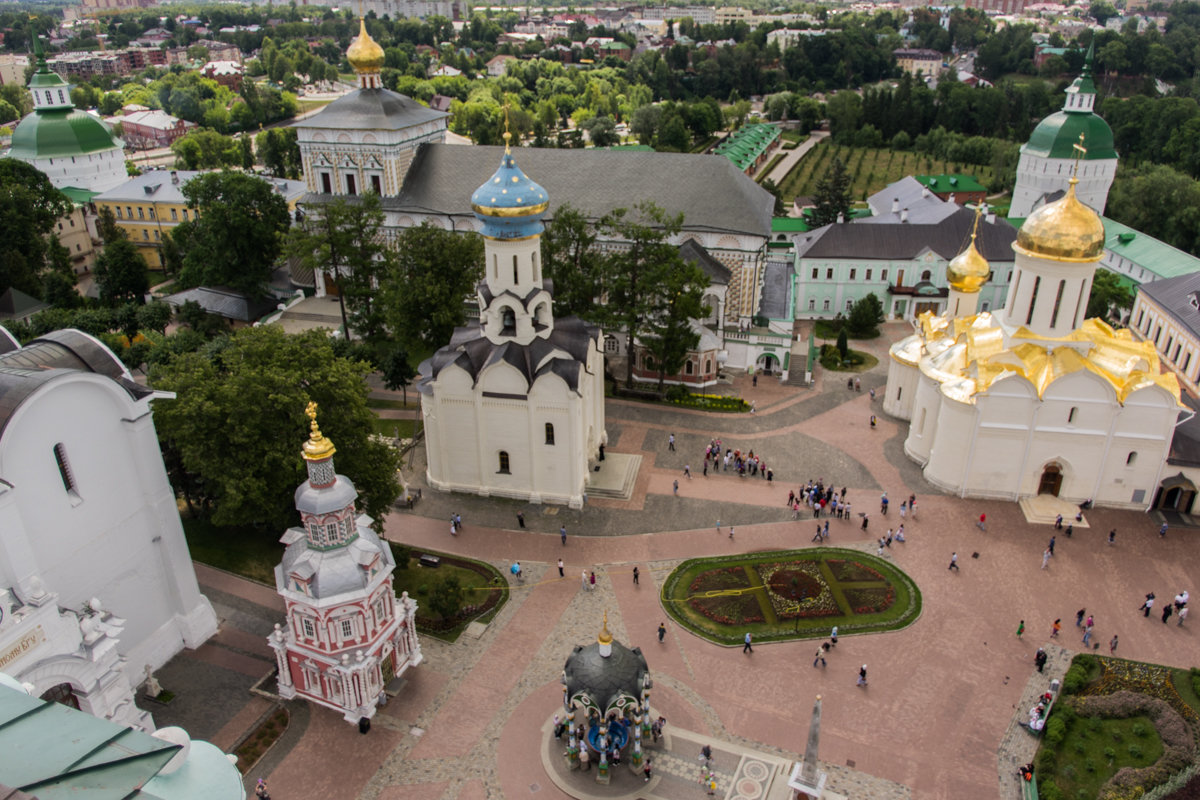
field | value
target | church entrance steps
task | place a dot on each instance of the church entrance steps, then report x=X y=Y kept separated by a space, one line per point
x=616 y=476
x=1043 y=509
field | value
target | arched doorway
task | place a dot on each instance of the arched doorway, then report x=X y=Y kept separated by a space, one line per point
x=1176 y=493
x=1051 y=482
x=63 y=693
x=767 y=364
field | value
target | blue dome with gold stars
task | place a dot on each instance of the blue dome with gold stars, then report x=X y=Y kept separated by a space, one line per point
x=509 y=204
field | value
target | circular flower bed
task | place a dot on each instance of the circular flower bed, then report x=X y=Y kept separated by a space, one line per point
x=793 y=594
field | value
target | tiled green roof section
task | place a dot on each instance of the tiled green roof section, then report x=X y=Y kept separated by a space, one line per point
x=78 y=196
x=1147 y=252
x=789 y=225
x=951 y=183
x=60 y=133
x=44 y=78
x=1057 y=135
x=745 y=145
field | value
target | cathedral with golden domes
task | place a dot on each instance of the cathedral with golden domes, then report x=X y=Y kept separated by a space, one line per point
x=1034 y=399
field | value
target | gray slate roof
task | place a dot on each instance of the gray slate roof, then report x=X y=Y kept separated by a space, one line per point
x=223 y=302
x=694 y=253
x=25 y=370
x=710 y=191
x=777 y=284
x=371 y=109
x=605 y=679
x=472 y=351
x=907 y=240
x=336 y=571
x=924 y=207
x=1175 y=296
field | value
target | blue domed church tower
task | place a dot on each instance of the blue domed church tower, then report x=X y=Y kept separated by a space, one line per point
x=514 y=404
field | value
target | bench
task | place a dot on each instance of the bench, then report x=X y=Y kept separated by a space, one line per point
x=1029 y=790
x=429 y=561
x=1054 y=690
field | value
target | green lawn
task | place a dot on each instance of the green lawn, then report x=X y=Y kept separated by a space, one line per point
x=1094 y=749
x=399 y=405
x=723 y=598
x=420 y=582
x=392 y=427
x=249 y=552
x=858 y=361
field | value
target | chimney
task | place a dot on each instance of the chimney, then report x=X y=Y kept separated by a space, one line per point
x=924 y=192
x=904 y=215
x=174 y=177
x=895 y=205
x=951 y=198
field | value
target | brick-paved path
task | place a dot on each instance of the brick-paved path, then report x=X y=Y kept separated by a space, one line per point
x=942 y=692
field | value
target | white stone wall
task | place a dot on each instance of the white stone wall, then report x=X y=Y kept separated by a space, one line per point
x=361 y=154
x=1048 y=297
x=1038 y=176
x=901 y=390
x=96 y=172
x=117 y=535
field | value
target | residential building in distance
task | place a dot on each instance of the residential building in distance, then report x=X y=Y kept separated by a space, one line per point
x=497 y=67
x=112 y=62
x=12 y=68
x=154 y=128
x=151 y=204
x=77 y=230
x=415 y=9
x=961 y=189
x=226 y=73
x=1139 y=258
x=918 y=62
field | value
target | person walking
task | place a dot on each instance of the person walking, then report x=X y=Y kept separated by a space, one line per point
x=1070 y=530
x=982 y=524
x=260 y=791
x=583 y=579
x=819 y=657
x=1055 y=628
x=1050 y=546
x=675 y=488
x=1058 y=523
x=1112 y=645
x=718 y=527
x=1112 y=537
x=862 y=676
x=706 y=467
x=592 y=581
x=1079 y=615
x=746 y=648
x=1046 y=557
x=646 y=769
x=1147 y=605
x=1162 y=532
x=1039 y=659
x=1087 y=633
x=662 y=630
x=730 y=531
x=833 y=637
x=671 y=442
x=1167 y=610
x=562 y=531
x=1021 y=629
x=1182 y=615
x=560 y=568
x=864 y=522
x=635 y=575
x=953 y=562
x=687 y=471
x=521 y=520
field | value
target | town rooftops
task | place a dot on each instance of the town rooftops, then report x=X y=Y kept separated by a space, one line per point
x=901 y=240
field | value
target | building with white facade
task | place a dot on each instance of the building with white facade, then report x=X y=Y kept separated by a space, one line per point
x=1032 y=398
x=347 y=634
x=514 y=404
x=72 y=147
x=1048 y=158
x=96 y=583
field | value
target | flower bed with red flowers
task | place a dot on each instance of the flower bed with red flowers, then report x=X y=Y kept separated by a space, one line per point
x=797 y=589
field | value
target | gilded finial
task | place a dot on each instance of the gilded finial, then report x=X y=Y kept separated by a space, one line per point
x=507 y=132
x=318 y=446
x=605 y=637
x=1080 y=152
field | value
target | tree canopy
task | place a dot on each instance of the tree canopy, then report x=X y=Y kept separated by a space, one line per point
x=29 y=207
x=120 y=270
x=832 y=196
x=424 y=294
x=237 y=423
x=238 y=233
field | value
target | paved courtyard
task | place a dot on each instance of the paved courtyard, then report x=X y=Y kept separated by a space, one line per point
x=934 y=722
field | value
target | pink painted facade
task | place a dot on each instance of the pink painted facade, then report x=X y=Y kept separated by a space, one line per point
x=346 y=634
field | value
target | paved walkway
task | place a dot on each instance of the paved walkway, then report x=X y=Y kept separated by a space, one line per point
x=936 y=715
x=793 y=156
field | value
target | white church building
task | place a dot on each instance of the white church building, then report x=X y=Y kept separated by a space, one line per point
x=514 y=404
x=1048 y=158
x=1032 y=398
x=96 y=583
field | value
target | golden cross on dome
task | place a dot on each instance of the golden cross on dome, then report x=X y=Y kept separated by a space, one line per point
x=311 y=411
x=975 y=225
x=1080 y=152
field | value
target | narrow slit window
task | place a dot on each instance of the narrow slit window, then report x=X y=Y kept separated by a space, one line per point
x=504 y=462
x=516 y=277
x=64 y=468
x=1131 y=459
x=1057 y=303
x=1071 y=415
x=1037 y=283
x=549 y=433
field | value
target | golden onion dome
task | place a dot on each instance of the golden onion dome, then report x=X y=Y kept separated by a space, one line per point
x=1065 y=230
x=317 y=447
x=968 y=271
x=365 y=54
x=605 y=637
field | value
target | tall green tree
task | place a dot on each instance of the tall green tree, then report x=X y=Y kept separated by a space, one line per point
x=58 y=278
x=397 y=371
x=1109 y=296
x=679 y=300
x=344 y=237
x=427 y=286
x=237 y=424
x=634 y=275
x=831 y=196
x=572 y=263
x=865 y=316
x=29 y=207
x=206 y=149
x=120 y=273
x=238 y=233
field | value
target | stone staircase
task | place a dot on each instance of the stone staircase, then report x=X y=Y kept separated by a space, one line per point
x=1043 y=509
x=616 y=477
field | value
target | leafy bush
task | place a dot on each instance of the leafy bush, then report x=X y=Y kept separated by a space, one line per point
x=1080 y=748
x=1139 y=730
x=1089 y=764
x=1049 y=791
x=1046 y=761
x=402 y=553
x=1135 y=751
x=1075 y=679
x=1110 y=753
x=1056 y=730
x=446 y=597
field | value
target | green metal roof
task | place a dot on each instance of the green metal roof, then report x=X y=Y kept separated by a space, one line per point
x=789 y=225
x=44 y=78
x=78 y=196
x=1147 y=252
x=1057 y=135
x=951 y=183
x=59 y=133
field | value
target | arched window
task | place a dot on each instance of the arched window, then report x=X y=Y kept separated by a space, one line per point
x=63 y=694
x=1071 y=415
x=64 y=468
x=707 y=366
x=549 y=433
x=508 y=320
x=504 y=462
x=926 y=275
x=1131 y=459
x=688 y=369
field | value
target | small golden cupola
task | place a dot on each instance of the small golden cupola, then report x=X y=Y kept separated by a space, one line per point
x=318 y=447
x=1065 y=230
x=366 y=57
x=605 y=639
x=968 y=271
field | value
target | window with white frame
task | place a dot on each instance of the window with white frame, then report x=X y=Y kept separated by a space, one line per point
x=347 y=628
